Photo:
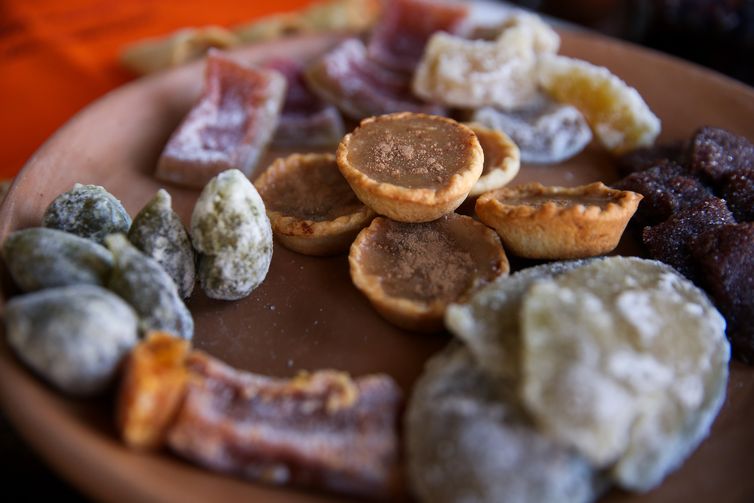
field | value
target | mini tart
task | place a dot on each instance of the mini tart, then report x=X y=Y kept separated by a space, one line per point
x=541 y=222
x=410 y=272
x=502 y=159
x=411 y=167
x=310 y=206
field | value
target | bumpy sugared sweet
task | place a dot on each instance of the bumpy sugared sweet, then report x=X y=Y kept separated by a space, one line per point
x=159 y=233
x=88 y=211
x=672 y=240
x=144 y=284
x=724 y=257
x=39 y=258
x=715 y=152
x=737 y=188
x=231 y=231
x=469 y=439
x=545 y=132
x=666 y=188
x=73 y=336
x=625 y=361
x=644 y=158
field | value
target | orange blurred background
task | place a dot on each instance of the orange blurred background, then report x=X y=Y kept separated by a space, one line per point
x=57 y=56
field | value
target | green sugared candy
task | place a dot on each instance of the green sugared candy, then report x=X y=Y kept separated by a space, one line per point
x=88 y=211
x=39 y=258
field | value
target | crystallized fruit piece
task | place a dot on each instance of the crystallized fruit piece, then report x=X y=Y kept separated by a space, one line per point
x=672 y=240
x=473 y=73
x=627 y=362
x=152 y=387
x=73 y=336
x=39 y=258
x=468 y=439
x=501 y=159
x=306 y=120
x=488 y=323
x=144 y=284
x=618 y=115
x=398 y=39
x=88 y=211
x=724 y=257
x=159 y=233
x=361 y=88
x=715 y=152
x=229 y=127
x=323 y=429
x=666 y=189
x=545 y=132
x=737 y=188
x=231 y=231
x=411 y=272
x=644 y=158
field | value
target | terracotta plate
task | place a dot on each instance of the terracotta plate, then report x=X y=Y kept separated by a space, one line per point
x=307 y=314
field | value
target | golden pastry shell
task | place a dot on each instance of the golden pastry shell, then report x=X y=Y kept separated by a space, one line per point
x=497 y=176
x=412 y=204
x=310 y=237
x=553 y=231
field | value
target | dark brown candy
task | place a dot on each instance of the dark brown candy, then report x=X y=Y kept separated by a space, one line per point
x=671 y=241
x=715 y=152
x=322 y=429
x=666 y=190
x=644 y=158
x=724 y=257
x=737 y=188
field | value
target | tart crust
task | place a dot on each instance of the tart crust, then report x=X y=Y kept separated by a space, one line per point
x=502 y=159
x=541 y=222
x=410 y=280
x=317 y=231
x=404 y=203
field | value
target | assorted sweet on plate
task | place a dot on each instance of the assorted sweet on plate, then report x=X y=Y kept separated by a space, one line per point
x=697 y=203
x=566 y=378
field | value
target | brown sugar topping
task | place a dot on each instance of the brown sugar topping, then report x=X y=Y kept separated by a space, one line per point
x=414 y=152
x=315 y=191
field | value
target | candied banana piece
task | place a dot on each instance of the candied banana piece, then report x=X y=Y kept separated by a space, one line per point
x=473 y=73
x=618 y=115
x=469 y=439
x=153 y=385
x=626 y=361
x=230 y=228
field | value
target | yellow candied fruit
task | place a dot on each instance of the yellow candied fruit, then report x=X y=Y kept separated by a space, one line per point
x=616 y=112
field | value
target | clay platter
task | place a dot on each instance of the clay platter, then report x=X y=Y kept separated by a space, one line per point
x=307 y=314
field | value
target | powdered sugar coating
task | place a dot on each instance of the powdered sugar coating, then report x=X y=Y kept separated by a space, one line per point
x=230 y=228
x=616 y=365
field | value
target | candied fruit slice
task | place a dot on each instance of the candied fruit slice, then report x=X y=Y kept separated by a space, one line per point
x=666 y=190
x=714 y=152
x=398 y=39
x=724 y=257
x=229 y=127
x=618 y=115
x=153 y=385
x=323 y=429
x=737 y=188
x=672 y=240
x=644 y=158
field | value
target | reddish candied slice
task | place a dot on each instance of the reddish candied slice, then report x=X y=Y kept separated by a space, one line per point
x=398 y=39
x=322 y=429
x=645 y=158
x=666 y=190
x=672 y=240
x=737 y=188
x=714 y=152
x=361 y=88
x=724 y=257
x=229 y=127
x=306 y=120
